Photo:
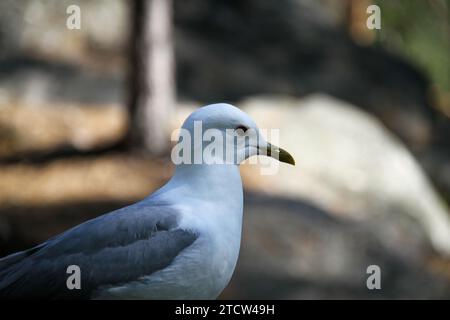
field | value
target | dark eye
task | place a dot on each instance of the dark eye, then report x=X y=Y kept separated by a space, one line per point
x=241 y=129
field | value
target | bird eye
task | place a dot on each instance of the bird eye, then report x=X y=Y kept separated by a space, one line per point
x=241 y=130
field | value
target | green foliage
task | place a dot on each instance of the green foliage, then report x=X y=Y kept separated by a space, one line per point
x=420 y=30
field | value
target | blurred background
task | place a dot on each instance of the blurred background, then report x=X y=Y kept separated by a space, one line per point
x=86 y=116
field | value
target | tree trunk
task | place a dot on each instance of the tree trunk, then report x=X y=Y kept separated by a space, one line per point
x=152 y=82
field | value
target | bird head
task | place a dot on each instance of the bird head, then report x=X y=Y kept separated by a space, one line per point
x=222 y=133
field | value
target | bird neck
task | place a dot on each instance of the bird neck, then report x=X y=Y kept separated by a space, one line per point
x=208 y=181
x=212 y=192
x=217 y=186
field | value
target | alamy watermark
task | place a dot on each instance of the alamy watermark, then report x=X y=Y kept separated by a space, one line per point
x=227 y=146
x=374 y=280
x=374 y=20
x=74 y=279
x=73 y=21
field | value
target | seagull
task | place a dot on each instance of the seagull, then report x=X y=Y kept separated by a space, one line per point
x=181 y=242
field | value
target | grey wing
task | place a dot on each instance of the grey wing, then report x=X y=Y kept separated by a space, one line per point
x=116 y=248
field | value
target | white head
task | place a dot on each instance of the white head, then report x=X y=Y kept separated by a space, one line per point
x=221 y=133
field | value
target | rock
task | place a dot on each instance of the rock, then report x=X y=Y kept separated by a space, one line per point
x=292 y=250
x=347 y=164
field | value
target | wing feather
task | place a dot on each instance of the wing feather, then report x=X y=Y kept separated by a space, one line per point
x=115 y=248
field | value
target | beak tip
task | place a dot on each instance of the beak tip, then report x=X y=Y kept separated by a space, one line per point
x=286 y=157
x=291 y=161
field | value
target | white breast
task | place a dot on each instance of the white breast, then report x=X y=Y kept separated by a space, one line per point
x=202 y=270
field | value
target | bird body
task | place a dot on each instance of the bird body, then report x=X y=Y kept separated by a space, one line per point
x=181 y=242
x=209 y=264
